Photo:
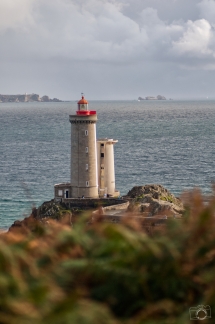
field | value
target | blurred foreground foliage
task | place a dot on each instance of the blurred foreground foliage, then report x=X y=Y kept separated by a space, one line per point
x=106 y=273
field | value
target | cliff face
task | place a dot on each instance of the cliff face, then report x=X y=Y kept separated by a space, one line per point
x=26 y=98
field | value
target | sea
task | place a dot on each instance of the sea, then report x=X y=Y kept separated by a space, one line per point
x=171 y=143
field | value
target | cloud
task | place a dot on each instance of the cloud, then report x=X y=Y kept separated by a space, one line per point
x=207 y=10
x=58 y=34
x=89 y=30
x=96 y=30
x=195 y=40
x=15 y=14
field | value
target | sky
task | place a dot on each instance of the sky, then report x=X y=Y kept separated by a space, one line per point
x=108 y=49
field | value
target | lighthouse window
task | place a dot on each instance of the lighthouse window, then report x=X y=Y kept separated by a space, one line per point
x=60 y=193
x=86 y=166
x=87 y=183
x=102 y=154
x=86 y=132
x=86 y=149
x=102 y=144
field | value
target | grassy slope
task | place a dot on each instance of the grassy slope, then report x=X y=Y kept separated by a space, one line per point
x=108 y=273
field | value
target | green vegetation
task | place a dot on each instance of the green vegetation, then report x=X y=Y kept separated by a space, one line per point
x=106 y=273
x=139 y=198
x=167 y=198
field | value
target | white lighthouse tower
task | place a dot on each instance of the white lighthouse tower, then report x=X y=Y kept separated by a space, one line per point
x=84 y=174
x=106 y=169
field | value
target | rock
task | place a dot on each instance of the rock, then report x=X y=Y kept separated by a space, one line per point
x=159 y=97
x=56 y=100
x=34 y=97
x=24 y=226
x=41 y=215
x=51 y=209
x=45 y=99
x=154 y=200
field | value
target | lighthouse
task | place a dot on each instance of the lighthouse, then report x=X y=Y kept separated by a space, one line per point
x=84 y=174
x=92 y=161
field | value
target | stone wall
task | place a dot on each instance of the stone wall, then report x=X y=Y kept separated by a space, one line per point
x=123 y=205
x=91 y=203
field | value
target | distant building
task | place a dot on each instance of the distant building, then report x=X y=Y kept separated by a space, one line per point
x=151 y=98
x=92 y=163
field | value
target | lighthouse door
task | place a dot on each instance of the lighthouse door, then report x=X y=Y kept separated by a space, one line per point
x=66 y=193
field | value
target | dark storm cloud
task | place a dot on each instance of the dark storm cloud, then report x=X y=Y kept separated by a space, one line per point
x=46 y=44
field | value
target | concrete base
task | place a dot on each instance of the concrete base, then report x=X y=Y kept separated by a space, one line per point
x=116 y=194
x=89 y=192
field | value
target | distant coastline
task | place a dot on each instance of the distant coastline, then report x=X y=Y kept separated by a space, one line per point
x=159 y=97
x=27 y=98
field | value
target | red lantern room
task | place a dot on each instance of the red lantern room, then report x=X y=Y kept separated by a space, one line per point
x=83 y=108
x=83 y=104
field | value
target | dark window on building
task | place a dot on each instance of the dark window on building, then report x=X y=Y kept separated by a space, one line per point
x=102 y=154
x=102 y=144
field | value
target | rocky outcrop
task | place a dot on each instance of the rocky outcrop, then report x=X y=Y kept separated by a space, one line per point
x=49 y=210
x=35 y=97
x=159 y=97
x=148 y=200
x=13 y=98
x=154 y=199
x=45 y=99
